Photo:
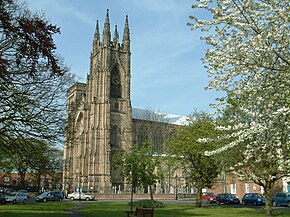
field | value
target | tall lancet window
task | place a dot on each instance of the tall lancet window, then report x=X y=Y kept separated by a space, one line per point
x=79 y=135
x=116 y=83
x=115 y=139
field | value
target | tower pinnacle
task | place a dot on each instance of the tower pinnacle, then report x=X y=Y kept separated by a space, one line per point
x=126 y=35
x=97 y=35
x=106 y=32
x=116 y=36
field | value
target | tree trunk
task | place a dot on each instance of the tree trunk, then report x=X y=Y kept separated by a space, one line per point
x=22 y=179
x=268 y=195
x=151 y=192
x=132 y=192
x=38 y=178
x=53 y=184
x=198 y=196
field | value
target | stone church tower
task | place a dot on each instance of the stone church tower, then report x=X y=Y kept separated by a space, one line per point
x=99 y=115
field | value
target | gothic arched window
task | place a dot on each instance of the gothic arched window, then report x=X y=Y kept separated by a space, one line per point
x=140 y=140
x=79 y=140
x=157 y=140
x=115 y=138
x=79 y=124
x=115 y=83
x=142 y=136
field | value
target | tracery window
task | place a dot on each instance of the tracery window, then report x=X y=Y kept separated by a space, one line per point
x=140 y=140
x=115 y=138
x=115 y=83
x=157 y=140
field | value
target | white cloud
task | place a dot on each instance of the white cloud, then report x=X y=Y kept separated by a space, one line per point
x=59 y=8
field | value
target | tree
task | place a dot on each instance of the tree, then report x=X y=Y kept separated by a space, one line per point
x=55 y=167
x=39 y=166
x=138 y=167
x=188 y=151
x=21 y=159
x=153 y=127
x=33 y=108
x=35 y=157
x=257 y=148
x=33 y=80
x=26 y=39
x=46 y=160
x=149 y=165
x=5 y=164
x=249 y=60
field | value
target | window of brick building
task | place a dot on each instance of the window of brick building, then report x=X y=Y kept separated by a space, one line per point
x=233 y=188
x=247 y=187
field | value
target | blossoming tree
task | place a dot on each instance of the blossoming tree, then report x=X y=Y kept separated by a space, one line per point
x=249 y=60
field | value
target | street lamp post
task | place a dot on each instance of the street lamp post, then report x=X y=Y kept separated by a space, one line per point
x=80 y=174
x=176 y=177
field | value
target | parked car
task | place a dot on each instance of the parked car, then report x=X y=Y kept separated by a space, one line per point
x=227 y=199
x=5 y=190
x=59 y=194
x=2 y=199
x=16 y=197
x=80 y=195
x=281 y=198
x=24 y=192
x=208 y=197
x=50 y=196
x=253 y=199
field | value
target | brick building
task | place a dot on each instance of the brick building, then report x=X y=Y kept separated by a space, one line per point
x=12 y=180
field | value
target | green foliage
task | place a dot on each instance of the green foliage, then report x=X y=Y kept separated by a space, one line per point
x=147 y=204
x=138 y=165
x=189 y=149
x=190 y=152
x=34 y=156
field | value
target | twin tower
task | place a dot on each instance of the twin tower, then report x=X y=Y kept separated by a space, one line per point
x=99 y=115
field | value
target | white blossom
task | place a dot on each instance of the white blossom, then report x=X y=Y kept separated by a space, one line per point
x=249 y=59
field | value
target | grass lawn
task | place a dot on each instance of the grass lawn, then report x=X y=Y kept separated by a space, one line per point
x=55 y=209
x=117 y=209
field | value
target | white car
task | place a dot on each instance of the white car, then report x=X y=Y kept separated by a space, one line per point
x=16 y=197
x=80 y=195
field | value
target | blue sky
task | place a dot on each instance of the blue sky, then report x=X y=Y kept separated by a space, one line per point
x=167 y=73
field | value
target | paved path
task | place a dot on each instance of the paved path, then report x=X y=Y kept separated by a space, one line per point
x=73 y=212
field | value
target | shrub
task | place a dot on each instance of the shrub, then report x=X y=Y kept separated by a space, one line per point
x=147 y=204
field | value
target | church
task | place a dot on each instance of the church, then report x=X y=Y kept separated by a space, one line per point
x=100 y=119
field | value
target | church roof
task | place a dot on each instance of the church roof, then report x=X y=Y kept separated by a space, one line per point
x=149 y=115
